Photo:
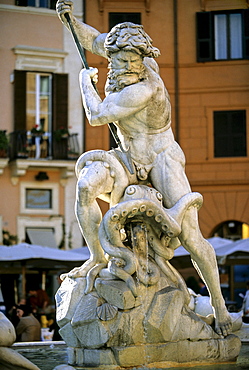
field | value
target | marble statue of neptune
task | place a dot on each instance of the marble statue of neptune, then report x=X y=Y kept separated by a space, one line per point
x=138 y=103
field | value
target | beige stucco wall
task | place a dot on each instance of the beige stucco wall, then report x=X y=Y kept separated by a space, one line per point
x=26 y=28
x=37 y=29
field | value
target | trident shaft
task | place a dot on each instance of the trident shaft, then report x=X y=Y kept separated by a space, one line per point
x=123 y=154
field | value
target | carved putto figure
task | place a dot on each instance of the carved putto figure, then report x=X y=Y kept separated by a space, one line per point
x=152 y=209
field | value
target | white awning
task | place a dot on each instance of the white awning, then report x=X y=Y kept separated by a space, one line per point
x=24 y=251
x=42 y=236
x=217 y=243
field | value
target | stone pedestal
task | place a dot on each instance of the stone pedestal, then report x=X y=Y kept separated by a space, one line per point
x=110 y=327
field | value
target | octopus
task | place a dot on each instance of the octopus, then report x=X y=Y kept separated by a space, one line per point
x=139 y=235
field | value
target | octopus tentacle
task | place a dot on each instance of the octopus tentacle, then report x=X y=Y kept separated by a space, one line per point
x=193 y=199
x=174 y=275
x=123 y=275
x=147 y=272
x=91 y=275
x=122 y=256
x=109 y=234
x=118 y=251
x=122 y=176
x=159 y=221
x=159 y=247
x=147 y=210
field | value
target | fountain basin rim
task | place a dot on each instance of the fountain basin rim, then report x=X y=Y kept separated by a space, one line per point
x=39 y=344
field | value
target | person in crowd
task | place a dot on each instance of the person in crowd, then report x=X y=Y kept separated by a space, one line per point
x=203 y=288
x=12 y=312
x=28 y=328
x=39 y=300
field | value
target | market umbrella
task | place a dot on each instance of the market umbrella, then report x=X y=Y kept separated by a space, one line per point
x=236 y=250
x=24 y=251
x=216 y=241
x=241 y=245
x=20 y=257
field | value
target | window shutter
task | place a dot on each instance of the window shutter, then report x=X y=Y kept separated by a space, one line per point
x=20 y=100
x=230 y=133
x=204 y=37
x=115 y=18
x=245 y=34
x=60 y=101
x=22 y=2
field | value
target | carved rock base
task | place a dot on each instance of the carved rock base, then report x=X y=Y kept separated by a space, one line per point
x=162 y=355
x=110 y=327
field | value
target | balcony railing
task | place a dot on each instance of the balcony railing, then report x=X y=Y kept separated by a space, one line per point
x=24 y=144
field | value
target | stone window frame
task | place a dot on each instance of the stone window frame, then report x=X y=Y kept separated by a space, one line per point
x=54 y=210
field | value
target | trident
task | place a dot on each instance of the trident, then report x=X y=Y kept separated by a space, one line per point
x=123 y=154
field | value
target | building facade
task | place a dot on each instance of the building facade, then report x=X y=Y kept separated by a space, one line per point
x=41 y=112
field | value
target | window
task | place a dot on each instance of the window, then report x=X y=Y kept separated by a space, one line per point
x=232 y=229
x=116 y=18
x=39 y=101
x=39 y=199
x=230 y=133
x=40 y=108
x=222 y=35
x=50 y=4
x=228 y=40
x=53 y=224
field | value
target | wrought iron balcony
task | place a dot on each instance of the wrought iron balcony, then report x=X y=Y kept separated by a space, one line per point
x=25 y=144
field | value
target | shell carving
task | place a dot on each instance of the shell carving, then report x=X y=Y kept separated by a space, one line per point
x=106 y=311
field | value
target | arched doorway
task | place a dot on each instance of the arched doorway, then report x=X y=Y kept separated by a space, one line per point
x=232 y=229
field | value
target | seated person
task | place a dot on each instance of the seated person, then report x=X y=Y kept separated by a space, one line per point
x=12 y=312
x=38 y=300
x=28 y=328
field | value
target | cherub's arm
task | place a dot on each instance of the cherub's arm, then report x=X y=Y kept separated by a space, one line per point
x=115 y=106
x=90 y=38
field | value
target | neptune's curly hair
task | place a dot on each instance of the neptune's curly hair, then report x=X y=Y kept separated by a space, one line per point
x=131 y=37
